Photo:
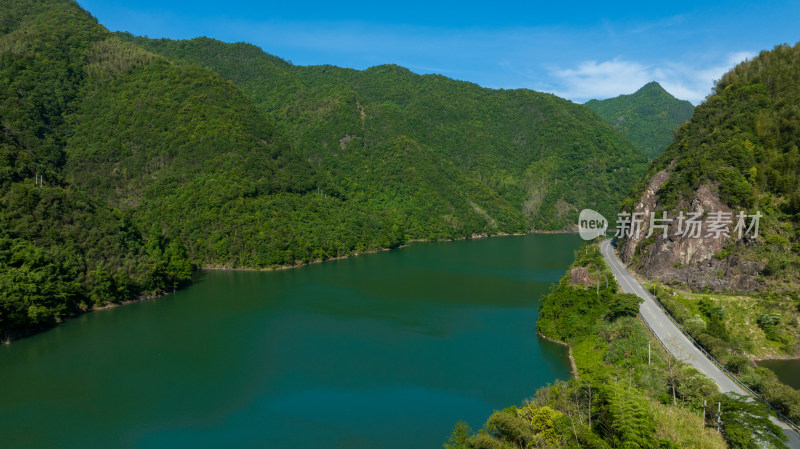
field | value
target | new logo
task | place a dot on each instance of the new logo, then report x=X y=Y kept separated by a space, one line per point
x=591 y=224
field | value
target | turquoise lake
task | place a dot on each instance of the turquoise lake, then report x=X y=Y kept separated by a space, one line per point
x=385 y=350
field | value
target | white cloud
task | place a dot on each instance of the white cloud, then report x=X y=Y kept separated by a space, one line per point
x=592 y=79
x=604 y=79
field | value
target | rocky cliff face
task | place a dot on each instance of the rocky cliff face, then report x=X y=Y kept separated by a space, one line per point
x=696 y=262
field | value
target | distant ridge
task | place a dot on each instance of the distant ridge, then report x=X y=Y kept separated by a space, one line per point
x=526 y=159
x=646 y=117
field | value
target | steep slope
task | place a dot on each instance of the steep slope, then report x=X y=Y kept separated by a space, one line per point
x=738 y=153
x=123 y=170
x=61 y=251
x=545 y=157
x=647 y=118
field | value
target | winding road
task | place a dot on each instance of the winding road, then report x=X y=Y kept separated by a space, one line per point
x=673 y=339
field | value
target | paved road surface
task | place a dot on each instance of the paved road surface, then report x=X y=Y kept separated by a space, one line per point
x=673 y=339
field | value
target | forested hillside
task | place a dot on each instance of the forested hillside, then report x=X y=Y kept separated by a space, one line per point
x=61 y=251
x=738 y=152
x=121 y=171
x=648 y=117
x=545 y=157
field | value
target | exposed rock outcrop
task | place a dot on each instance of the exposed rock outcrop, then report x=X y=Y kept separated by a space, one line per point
x=580 y=276
x=683 y=258
x=646 y=205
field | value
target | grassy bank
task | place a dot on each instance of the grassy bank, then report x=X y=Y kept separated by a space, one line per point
x=739 y=329
x=759 y=327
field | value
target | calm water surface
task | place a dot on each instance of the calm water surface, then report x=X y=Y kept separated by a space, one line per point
x=788 y=371
x=382 y=350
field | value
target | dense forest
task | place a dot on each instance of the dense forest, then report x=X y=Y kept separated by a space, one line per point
x=544 y=157
x=127 y=163
x=648 y=117
x=61 y=250
x=623 y=395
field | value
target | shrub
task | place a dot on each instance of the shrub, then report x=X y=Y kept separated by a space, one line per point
x=623 y=304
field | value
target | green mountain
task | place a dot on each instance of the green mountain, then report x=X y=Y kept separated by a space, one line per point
x=124 y=168
x=544 y=157
x=121 y=171
x=647 y=118
x=737 y=153
x=61 y=251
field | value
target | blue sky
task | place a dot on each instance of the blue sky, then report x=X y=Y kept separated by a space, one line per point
x=577 y=50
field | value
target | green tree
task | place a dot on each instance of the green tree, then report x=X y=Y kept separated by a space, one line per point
x=458 y=439
x=624 y=418
x=624 y=304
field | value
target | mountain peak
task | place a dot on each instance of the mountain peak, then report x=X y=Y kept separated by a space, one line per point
x=652 y=86
x=647 y=117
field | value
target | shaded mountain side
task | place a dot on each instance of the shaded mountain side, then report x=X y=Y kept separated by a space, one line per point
x=648 y=117
x=544 y=156
x=61 y=251
x=737 y=153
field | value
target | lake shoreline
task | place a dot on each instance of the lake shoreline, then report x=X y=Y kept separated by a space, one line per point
x=214 y=267
x=112 y=305
x=573 y=366
x=765 y=358
x=412 y=336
